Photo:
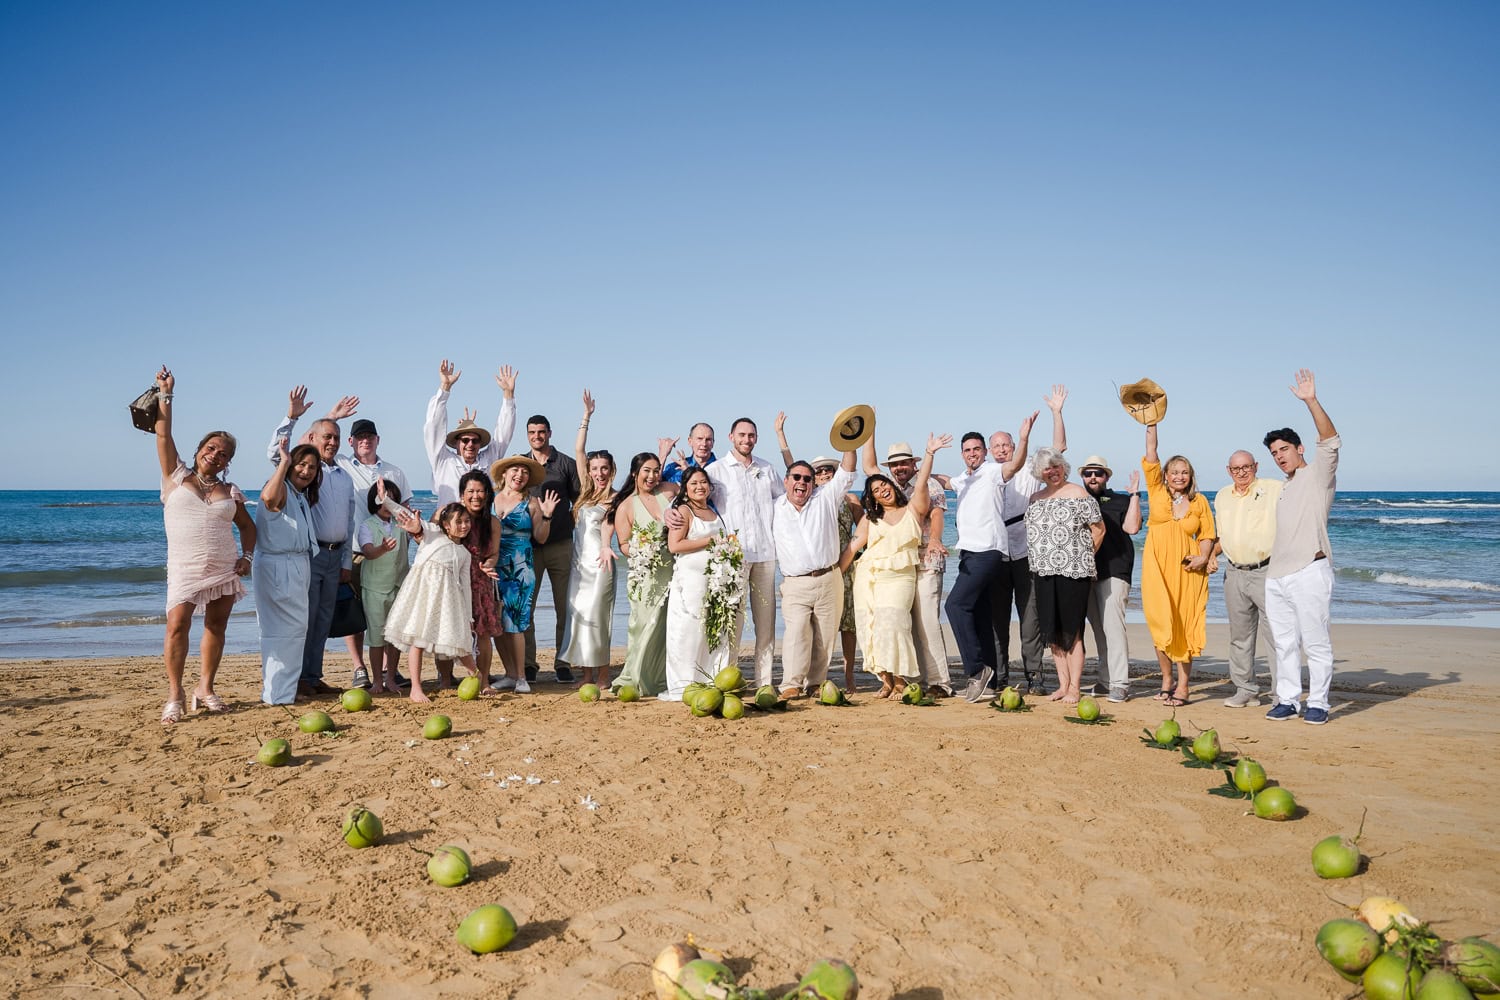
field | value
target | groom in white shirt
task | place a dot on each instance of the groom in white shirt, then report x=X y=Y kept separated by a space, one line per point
x=745 y=488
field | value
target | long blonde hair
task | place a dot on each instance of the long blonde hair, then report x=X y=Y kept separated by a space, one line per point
x=1192 y=487
x=591 y=495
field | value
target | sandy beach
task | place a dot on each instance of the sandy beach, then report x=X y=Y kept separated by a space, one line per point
x=946 y=852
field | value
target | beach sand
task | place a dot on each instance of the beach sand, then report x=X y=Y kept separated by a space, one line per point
x=946 y=852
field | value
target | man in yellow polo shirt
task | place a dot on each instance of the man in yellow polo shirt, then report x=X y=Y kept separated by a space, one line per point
x=1245 y=512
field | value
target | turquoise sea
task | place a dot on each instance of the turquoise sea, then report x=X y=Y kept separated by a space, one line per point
x=82 y=574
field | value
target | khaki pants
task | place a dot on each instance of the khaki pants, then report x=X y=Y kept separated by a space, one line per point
x=927 y=630
x=760 y=595
x=556 y=560
x=1245 y=605
x=811 y=607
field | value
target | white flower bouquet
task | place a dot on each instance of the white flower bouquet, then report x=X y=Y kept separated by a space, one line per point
x=725 y=588
x=648 y=553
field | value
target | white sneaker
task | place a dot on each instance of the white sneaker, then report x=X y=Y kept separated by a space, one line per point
x=505 y=684
x=522 y=687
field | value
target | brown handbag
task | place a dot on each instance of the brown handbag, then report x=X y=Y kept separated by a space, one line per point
x=145 y=410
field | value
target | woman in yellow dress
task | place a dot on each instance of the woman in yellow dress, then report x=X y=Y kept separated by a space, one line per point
x=1174 y=577
x=885 y=580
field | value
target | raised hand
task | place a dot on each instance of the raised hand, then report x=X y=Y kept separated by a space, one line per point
x=380 y=490
x=547 y=502
x=409 y=521
x=469 y=415
x=506 y=380
x=1026 y=425
x=937 y=442
x=588 y=405
x=297 y=402
x=664 y=448
x=1056 y=398
x=780 y=421
x=282 y=453
x=1135 y=482
x=388 y=545
x=165 y=381
x=1305 y=389
x=448 y=374
x=347 y=406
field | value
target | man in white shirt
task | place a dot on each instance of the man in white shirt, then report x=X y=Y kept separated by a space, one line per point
x=927 y=605
x=982 y=546
x=1299 y=579
x=333 y=524
x=745 y=487
x=467 y=447
x=364 y=468
x=1014 y=585
x=805 y=525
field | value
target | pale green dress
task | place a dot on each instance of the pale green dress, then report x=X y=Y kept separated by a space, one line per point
x=646 y=635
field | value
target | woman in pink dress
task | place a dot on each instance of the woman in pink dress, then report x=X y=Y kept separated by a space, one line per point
x=201 y=509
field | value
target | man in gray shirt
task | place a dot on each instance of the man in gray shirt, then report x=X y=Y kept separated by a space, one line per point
x=1299 y=580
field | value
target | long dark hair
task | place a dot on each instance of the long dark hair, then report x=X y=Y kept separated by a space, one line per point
x=628 y=490
x=296 y=455
x=484 y=523
x=697 y=470
x=867 y=499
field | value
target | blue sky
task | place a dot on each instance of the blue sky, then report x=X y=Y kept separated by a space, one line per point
x=700 y=211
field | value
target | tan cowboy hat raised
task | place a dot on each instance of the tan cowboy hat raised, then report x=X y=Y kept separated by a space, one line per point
x=853 y=426
x=468 y=427
x=1145 y=401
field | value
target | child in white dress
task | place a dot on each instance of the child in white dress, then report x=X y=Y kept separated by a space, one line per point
x=434 y=608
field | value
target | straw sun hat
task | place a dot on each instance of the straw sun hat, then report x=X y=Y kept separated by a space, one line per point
x=497 y=469
x=1145 y=401
x=853 y=426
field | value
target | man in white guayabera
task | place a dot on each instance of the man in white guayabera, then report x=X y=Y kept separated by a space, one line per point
x=1299 y=580
x=745 y=487
x=468 y=446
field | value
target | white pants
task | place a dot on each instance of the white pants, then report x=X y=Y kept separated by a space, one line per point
x=927 y=630
x=1106 y=612
x=1297 y=608
x=760 y=595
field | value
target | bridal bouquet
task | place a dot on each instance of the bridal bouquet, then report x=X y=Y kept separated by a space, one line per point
x=648 y=553
x=725 y=588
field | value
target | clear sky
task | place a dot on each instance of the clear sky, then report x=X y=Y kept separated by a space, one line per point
x=704 y=210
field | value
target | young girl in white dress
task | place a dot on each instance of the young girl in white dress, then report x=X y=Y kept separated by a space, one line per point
x=434 y=609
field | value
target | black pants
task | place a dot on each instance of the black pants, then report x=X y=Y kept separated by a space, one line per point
x=1015 y=588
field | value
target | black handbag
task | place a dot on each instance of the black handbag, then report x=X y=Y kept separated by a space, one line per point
x=145 y=410
x=348 y=614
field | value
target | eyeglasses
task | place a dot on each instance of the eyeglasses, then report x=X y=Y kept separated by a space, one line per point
x=824 y=471
x=1094 y=474
x=468 y=440
x=1241 y=468
x=798 y=477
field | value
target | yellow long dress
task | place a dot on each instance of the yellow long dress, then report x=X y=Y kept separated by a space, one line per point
x=1175 y=600
x=885 y=584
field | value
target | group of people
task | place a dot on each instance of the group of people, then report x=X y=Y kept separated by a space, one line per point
x=703 y=538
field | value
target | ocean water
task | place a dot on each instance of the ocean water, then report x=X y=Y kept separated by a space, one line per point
x=82 y=574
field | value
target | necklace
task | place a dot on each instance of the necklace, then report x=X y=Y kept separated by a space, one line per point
x=208 y=484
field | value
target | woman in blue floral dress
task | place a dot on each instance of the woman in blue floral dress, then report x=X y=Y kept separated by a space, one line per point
x=523 y=522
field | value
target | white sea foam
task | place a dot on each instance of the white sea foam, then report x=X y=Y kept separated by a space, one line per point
x=1415 y=520
x=1456 y=504
x=1430 y=583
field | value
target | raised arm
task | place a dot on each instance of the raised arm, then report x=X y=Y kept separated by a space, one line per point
x=857 y=540
x=581 y=443
x=1151 y=456
x=1017 y=460
x=868 y=462
x=1055 y=400
x=921 y=503
x=273 y=494
x=786 y=452
x=1306 y=390
x=435 y=427
x=166 y=448
x=541 y=515
x=297 y=404
x=505 y=423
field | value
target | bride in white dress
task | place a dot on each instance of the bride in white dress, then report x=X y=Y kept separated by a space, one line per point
x=688 y=656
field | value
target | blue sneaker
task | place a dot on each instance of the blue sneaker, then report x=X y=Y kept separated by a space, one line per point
x=1284 y=711
x=1315 y=716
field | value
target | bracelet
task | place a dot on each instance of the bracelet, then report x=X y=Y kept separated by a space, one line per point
x=546 y=517
x=247 y=556
x=165 y=397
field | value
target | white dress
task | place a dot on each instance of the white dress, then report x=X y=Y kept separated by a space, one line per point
x=688 y=655
x=434 y=608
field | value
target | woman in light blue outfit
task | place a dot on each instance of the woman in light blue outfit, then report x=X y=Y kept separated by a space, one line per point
x=283 y=523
